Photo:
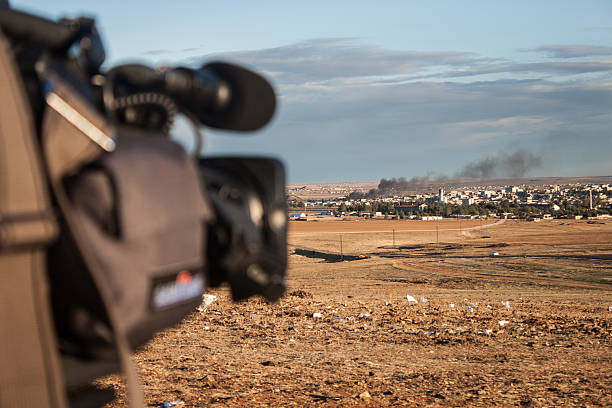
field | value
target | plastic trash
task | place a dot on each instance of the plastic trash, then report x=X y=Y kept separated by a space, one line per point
x=488 y=332
x=173 y=403
x=609 y=308
x=207 y=300
x=502 y=323
x=206 y=328
x=363 y=315
x=429 y=332
x=424 y=299
x=469 y=309
x=506 y=304
x=411 y=299
x=385 y=303
x=452 y=305
x=474 y=304
x=488 y=306
x=317 y=315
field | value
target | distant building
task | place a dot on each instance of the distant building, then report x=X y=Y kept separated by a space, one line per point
x=441 y=198
x=467 y=201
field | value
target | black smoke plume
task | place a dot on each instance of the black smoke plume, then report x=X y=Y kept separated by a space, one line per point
x=387 y=187
x=515 y=164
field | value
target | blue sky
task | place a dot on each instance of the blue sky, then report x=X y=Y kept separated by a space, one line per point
x=397 y=88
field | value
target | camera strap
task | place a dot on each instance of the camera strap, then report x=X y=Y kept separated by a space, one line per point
x=30 y=375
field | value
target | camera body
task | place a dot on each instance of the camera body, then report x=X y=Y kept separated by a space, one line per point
x=133 y=227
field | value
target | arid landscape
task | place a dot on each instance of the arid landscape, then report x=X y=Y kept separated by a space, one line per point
x=405 y=313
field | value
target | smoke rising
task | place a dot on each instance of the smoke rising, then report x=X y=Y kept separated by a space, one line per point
x=515 y=164
x=396 y=186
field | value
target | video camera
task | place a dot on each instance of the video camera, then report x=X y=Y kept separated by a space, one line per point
x=139 y=227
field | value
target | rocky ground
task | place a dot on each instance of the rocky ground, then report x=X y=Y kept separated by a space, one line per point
x=347 y=334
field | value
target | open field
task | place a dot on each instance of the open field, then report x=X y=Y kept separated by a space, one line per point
x=549 y=346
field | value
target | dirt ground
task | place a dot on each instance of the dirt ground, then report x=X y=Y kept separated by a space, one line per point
x=529 y=327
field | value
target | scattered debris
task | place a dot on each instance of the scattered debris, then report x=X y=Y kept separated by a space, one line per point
x=173 y=403
x=452 y=305
x=424 y=299
x=411 y=299
x=488 y=332
x=363 y=315
x=207 y=300
x=502 y=323
x=317 y=315
x=469 y=309
x=506 y=304
x=365 y=395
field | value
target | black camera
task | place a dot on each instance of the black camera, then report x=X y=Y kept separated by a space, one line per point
x=133 y=228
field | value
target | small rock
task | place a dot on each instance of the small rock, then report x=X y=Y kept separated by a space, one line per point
x=365 y=395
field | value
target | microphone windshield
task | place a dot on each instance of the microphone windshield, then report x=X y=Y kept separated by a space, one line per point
x=252 y=102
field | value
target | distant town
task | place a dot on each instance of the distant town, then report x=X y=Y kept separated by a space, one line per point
x=532 y=199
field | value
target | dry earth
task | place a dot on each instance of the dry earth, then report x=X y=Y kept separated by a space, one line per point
x=371 y=346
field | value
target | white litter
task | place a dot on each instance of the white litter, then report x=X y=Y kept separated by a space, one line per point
x=411 y=299
x=206 y=328
x=385 y=303
x=502 y=323
x=488 y=332
x=452 y=305
x=609 y=308
x=506 y=304
x=362 y=315
x=317 y=315
x=207 y=300
x=424 y=299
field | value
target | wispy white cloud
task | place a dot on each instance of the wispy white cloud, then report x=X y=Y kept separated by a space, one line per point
x=573 y=51
x=409 y=112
